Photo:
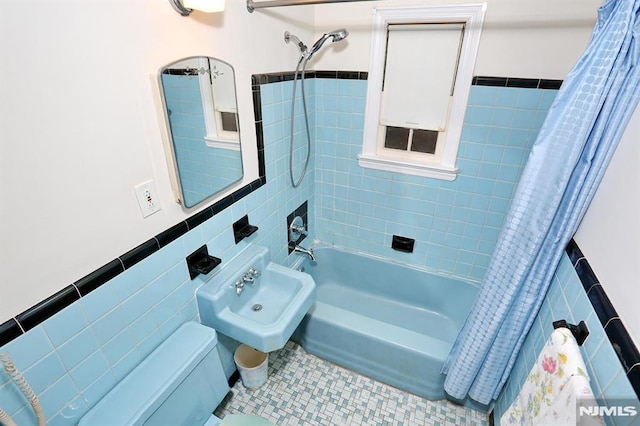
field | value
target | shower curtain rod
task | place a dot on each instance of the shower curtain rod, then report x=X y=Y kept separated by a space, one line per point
x=251 y=5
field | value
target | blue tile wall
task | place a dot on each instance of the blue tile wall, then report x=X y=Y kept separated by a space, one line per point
x=567 y=299
x=76 y=356
x=455 y=224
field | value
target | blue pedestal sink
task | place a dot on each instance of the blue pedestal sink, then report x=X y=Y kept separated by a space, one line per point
x=263 y=309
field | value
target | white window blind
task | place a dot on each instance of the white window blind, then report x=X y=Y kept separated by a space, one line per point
x=421 y=62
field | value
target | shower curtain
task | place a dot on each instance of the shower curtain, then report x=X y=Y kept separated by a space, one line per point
x=567 y=162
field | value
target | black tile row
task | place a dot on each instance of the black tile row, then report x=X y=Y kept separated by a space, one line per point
x=35 y=315
x=258 y=79
x=616 y=332
x=526 y=83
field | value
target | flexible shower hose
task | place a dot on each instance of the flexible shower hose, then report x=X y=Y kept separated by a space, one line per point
x=5 y=419
x=17 y=377
x=303 y=60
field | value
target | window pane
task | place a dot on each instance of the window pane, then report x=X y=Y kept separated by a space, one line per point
x=229 y=121
x=397 y=138
x=424 y=141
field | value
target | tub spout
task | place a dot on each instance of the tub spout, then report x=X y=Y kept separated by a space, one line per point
x=308 y=252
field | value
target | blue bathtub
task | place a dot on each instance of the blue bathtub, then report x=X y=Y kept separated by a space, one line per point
x=386 y=320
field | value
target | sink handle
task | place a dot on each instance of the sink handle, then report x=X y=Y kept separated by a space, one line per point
x=239 y=287
x=254 y=272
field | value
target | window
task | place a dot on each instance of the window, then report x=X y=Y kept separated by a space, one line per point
x=217 y=91
x=229 y=121
x=420 y=76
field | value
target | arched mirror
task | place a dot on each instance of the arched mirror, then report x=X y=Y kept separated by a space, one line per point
x=199 y=97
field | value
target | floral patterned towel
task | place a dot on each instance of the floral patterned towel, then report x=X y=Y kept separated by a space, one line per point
x=557 y=383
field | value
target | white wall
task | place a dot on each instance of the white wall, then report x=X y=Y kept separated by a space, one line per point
x=609 y=235
x=526 y=39
x=79 y=126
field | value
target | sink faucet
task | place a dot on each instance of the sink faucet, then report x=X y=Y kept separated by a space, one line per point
x=308 y=252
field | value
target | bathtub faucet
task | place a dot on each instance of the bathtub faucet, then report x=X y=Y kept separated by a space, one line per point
x=308 y=252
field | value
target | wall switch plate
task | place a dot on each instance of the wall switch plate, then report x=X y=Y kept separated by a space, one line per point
x=147 y=198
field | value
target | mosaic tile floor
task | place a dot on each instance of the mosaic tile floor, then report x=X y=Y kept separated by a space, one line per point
x=305 y=390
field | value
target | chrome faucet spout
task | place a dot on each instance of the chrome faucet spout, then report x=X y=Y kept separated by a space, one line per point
x=308 y=252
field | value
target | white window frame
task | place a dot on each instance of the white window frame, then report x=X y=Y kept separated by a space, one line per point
x=472 y=15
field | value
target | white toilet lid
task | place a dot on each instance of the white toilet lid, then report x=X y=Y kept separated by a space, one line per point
x=245 y=420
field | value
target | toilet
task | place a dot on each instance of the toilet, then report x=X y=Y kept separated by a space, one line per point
x=179 y=383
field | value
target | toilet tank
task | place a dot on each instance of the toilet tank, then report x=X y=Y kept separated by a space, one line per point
x=179 y=383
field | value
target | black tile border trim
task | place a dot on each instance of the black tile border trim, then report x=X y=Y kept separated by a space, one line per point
x=9 y=331
x=618 y=335
x=526 y=83
x=21 y=323
x=33 y=316
x=98 y=277
x=277 y=77
x=47 y=308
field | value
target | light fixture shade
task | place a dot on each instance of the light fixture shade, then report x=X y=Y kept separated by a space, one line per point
x=207 y=6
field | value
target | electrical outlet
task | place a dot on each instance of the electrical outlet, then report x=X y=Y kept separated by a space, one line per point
x=147 y=199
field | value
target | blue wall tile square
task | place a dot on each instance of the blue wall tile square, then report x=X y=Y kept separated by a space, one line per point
x=109 y=325
x=28 y=348
x=99 y=388
x=11 y=397
x=529 y=98
x=78 y=348
x=507 y=97
x=92 y=367
x=126 y=284
x=619 y=391
x=65 y=324
x=606 y=364
x=483 y=95
x=58 y=395
x=120 y=345
x=99 y=302
x=502 y=117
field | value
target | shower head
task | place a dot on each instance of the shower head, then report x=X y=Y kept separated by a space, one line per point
x=337 y=35
x=288 y=37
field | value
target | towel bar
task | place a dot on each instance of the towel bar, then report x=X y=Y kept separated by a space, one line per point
x=580 y=331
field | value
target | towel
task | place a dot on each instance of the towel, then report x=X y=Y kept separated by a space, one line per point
x=556 y=386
